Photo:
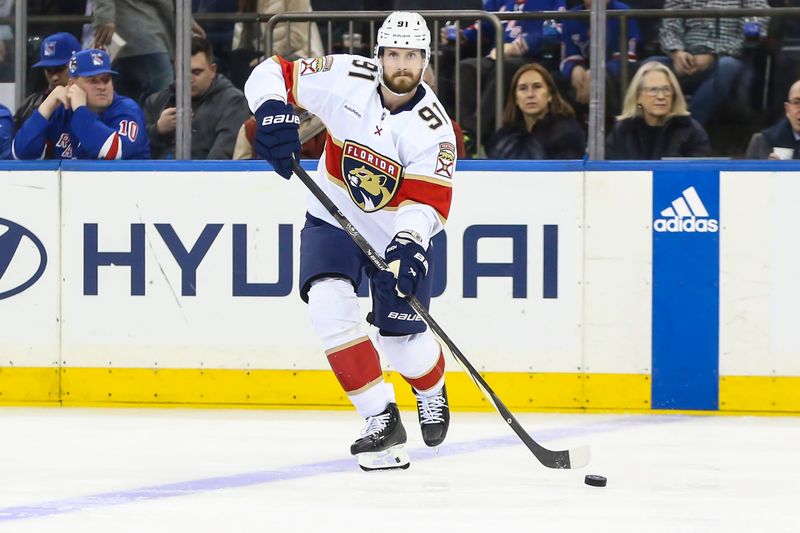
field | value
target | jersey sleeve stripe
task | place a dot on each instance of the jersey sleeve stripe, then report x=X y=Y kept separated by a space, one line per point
x=289 y=71
x=422 y=192
x=428 y=179
x=111 y=148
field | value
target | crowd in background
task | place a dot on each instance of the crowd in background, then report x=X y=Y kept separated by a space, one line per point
x=693 y=87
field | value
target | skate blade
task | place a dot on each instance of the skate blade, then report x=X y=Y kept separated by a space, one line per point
x=394 y=458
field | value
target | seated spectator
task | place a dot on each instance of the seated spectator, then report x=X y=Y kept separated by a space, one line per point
x=708 y=63
x=537 y=122
x=784 y=134
x=575 y=66
x=654 y=122
x=6 y=132
x=429 y=77
x=86 y=119
x=525 y=40
x=218 y=111
x=54 y=55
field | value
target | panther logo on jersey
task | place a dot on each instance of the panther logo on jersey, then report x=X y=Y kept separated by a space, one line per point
x=371 y=179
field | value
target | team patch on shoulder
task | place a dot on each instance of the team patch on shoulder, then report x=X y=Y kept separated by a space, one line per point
x=446 y=160
x=315 y=65
x=371 y=179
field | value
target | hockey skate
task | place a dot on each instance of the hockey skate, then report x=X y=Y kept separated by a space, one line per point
x=382 y=442
x=434 y=416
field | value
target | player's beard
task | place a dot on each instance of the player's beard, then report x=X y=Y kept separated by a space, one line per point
x=401 y=82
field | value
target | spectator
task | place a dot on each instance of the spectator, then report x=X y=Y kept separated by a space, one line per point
x=706 y=54
x=86 y=119
x=291 y=41
x=429 y=77
x=218 y=110
x=54 y=55
x=299 y=39
x=784 y=134
x=6 y=132
x=219 y=34
x=575 y=66
x=654 y=122
x=537 y=122
x=524 y=41
x=148 y=28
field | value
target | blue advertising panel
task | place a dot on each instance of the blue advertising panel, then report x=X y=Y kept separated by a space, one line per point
x=685 y=290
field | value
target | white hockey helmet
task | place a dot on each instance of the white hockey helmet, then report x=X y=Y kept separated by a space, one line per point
x=403 y=29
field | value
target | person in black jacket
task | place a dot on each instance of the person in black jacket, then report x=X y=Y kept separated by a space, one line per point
x=655 y=122
x=55 y=52
x=537 y=122
x=218 y=111
x=782 y=139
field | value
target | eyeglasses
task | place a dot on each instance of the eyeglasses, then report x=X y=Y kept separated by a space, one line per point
x=666 y=90
x=794 y=102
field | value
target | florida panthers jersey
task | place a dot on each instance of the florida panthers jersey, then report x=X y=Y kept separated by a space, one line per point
x=117 y=133
x=385 y=171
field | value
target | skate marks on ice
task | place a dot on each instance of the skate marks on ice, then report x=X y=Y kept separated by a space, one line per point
x=310 y=470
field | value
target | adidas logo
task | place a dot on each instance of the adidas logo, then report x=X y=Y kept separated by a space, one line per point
x=686 y=214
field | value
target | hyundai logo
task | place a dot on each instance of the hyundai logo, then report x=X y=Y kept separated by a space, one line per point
x=22 y=258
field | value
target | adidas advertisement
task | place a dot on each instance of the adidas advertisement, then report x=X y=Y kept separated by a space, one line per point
x=686 y=213
x=685 y=289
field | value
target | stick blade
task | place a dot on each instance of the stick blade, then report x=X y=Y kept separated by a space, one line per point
x=579 y=457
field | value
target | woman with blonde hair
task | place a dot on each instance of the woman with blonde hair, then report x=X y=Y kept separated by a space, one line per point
x=537 y=122
x=655 y=122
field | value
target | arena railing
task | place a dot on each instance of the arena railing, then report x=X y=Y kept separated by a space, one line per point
x=432 y=16
x=21 y=21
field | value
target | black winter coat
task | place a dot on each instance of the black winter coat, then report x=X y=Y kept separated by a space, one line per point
x=681 y=136
x=551 y=137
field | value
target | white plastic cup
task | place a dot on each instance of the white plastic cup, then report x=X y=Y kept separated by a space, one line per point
x=783 y=153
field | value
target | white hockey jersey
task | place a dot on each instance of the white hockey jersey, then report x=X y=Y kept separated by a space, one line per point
x=385 y=171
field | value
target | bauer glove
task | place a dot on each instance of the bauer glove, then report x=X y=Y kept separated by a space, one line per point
x=408 y=265
x=277 y=138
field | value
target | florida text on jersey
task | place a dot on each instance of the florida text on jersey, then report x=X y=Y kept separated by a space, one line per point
x=375 y=162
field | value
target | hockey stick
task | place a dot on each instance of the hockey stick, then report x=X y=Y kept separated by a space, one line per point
x=575 y=458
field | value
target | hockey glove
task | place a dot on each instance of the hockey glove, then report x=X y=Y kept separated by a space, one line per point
x=277 y=138
x=408 y=262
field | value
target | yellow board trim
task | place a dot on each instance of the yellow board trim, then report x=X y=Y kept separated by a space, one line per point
x=308 y=388
x=318 y=389
x=29 y=384
x=759 y=393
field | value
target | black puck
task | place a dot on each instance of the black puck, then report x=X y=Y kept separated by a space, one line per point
x=595 y=481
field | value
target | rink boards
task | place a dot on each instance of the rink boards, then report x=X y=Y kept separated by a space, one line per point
x=571 y=285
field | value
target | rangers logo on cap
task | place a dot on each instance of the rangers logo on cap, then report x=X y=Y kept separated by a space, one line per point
x=97 y=59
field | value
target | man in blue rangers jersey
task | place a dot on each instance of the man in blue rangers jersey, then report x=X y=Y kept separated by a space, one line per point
x=85 y=119
x=388 y=166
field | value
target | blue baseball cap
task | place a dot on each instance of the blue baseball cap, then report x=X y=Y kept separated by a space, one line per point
x=56 y=50
x=90 y=63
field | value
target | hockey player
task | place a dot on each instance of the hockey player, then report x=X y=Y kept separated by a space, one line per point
x=85 y=119
x=388 y=165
